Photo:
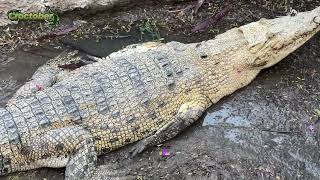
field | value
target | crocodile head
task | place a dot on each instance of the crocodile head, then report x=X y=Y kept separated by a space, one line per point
x=272 y=40
x=233 y=59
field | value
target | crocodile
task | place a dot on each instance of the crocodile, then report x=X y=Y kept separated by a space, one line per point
x=144 y=94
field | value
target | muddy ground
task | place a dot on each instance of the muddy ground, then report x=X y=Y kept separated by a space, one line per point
x=260 y=132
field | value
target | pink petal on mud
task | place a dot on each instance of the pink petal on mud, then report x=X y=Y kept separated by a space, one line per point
x=165 y=152
x=312 y=128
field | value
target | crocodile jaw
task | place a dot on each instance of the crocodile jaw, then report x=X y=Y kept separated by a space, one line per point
x=272 y=40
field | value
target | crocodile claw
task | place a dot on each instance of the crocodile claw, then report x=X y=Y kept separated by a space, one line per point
x=138 y=148
x=141 y=146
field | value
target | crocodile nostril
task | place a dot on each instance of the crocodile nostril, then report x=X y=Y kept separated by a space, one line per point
x=316 y=20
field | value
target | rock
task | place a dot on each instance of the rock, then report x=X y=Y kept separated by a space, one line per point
x=57 y=5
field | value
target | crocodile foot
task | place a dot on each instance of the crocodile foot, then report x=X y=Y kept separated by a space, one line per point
x=187 y=114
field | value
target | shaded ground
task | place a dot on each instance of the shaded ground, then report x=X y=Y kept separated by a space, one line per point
x=259 y=132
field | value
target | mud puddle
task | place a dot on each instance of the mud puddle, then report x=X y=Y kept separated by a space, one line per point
x=23 y=64
x=260 y=132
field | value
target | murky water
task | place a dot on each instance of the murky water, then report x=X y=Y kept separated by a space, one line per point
x=25 y=62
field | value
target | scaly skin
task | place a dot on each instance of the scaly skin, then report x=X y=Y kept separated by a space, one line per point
x=147 y=92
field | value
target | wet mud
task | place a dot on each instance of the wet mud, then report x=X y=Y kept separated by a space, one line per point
x=261 y=131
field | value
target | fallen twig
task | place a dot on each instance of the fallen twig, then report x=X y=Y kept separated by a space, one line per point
x=78 y=48
x=195 y=5
x=276 y=131
x=184 y=9
x=85 y=60
x=65 y=31
x=198 y=5
x=72 y=66
x=212 y=20
x=59 y=32
x=116 y=37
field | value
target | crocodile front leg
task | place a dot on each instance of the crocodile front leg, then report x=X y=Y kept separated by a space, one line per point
x=72 y=147
x=188 y=113
x=83 y=161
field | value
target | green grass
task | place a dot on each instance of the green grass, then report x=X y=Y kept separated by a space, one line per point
x=317 y=112
x=150 y=28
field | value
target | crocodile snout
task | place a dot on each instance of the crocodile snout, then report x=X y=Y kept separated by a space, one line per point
x=316 y=20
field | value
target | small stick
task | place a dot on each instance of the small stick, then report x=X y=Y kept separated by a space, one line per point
x=116 y=37
x=184 y=9
x=281 y=132
x=212 y=20
x=199 y=4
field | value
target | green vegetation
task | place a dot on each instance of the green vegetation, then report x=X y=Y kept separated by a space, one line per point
x=150 y=28
x=317 y=112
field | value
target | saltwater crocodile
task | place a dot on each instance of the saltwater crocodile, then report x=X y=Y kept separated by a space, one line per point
x=146 y=93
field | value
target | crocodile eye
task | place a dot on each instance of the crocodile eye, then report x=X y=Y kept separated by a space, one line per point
x=258 y=62
x=203 y=56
